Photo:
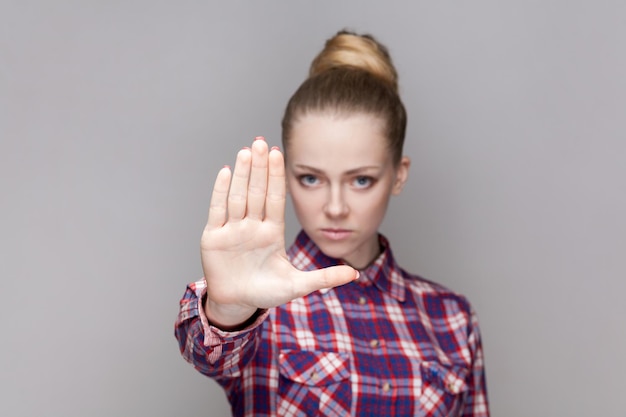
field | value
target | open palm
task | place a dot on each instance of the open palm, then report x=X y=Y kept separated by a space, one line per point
x=243 y=246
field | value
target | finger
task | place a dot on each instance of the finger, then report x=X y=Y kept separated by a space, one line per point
x=307 y=282
x=217 y=207
x=257 y=186
x=238 y=193
x=276 y=188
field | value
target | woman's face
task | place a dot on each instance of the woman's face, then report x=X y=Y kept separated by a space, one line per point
x=340 y=175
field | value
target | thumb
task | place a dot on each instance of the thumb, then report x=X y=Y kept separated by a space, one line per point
x=309 y=281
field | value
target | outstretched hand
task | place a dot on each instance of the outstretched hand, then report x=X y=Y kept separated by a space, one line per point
x=243 y=245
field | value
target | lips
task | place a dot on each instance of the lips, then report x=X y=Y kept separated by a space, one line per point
x=336 y=234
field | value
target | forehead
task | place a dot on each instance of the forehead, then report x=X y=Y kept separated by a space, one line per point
x=339 y=140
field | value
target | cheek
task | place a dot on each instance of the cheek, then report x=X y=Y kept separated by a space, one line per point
x=304 y=203
x=376 y=205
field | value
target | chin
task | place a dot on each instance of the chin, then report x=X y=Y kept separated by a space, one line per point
x=337 y=251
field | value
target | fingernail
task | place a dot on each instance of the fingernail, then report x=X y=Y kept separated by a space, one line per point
x=357 y=275
x=227 y=166
x=275 y=148
x=259 y=138
x=246 y=148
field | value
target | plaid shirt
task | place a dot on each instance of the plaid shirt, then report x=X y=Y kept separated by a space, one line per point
x=390 y=343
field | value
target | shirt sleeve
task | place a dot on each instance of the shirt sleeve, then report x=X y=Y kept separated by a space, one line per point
x=476 y=404
x=213 y=352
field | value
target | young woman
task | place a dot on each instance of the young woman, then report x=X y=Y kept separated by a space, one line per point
x=332 y=326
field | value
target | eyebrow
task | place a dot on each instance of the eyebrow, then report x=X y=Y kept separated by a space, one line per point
x=349 y=172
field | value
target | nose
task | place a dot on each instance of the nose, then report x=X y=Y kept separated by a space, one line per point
x=336 y=205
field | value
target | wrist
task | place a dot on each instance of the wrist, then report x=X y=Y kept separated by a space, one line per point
x=229 y=317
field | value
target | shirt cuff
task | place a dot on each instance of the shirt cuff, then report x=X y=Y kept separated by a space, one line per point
x=214 y=336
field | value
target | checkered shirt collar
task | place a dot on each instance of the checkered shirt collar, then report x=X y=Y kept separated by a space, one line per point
x=384 y=273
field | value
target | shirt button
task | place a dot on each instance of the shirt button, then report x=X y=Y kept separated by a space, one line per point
x=362 y=300
x=374 y=343
x=386 y=387
x=314 y=376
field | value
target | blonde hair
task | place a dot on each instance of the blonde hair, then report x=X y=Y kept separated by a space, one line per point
x=359 y=51
x=352 y=74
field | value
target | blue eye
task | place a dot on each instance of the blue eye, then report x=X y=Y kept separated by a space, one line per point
x=363 y=182
x=308 y=180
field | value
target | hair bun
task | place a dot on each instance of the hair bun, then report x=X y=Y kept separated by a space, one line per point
x=347 y=49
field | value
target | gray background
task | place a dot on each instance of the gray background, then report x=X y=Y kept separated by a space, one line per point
x=115 y=117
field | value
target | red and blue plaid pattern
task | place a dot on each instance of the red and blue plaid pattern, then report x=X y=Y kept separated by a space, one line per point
x=390 y=343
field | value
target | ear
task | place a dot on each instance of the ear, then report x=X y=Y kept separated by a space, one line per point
x=402 y=174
